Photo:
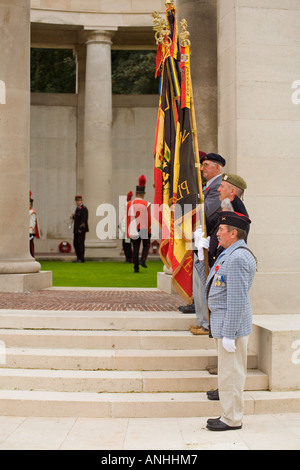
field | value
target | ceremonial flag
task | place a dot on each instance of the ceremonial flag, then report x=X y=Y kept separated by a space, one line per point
x=164 y=150
x=178 y=185
x=164 y=162
x=186 y=199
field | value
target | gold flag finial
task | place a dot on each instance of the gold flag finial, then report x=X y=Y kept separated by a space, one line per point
x=156 y=26
x=184 y=35
x=162 y=30
x=165 y=33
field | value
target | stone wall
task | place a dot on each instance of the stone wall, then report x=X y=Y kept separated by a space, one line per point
x=53 y=162
x=259 y=125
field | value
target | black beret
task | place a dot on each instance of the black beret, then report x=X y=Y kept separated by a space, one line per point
x=235 y=219
x=213 y=157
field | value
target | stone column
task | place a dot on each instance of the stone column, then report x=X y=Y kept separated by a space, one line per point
x=15 y=258
x=201 y=16
x=259 y=128
x=97 y=133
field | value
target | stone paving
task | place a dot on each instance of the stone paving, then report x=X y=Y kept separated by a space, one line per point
x=92 y=300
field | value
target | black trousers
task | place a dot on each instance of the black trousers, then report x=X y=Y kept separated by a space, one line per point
x=127 y=250
x=31 y=245
x=136 y=243
x=79 y=239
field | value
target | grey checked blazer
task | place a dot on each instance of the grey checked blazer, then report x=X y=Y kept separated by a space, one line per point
x=228 y=300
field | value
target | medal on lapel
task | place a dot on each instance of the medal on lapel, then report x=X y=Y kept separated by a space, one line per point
x=219 y=281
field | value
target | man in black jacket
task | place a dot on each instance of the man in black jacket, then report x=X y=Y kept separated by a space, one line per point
x=80 y=218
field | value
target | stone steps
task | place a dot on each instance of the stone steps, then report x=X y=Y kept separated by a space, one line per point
x=107 y=359
x=113 y=364
x=118 y=381
x=137 y=405
x=95 y=320
x=106 y=339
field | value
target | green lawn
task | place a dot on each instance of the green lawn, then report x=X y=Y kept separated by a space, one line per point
x=102 y=274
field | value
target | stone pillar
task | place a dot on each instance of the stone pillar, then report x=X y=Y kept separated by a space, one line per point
x=259 y=128
x=14 y=138
x=97 y=133
x=201 y=16
x=15 y=259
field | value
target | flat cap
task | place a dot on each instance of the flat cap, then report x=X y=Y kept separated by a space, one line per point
x=213 y=157
x=236 y=180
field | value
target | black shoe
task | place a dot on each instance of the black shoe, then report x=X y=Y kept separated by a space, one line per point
x=136 y=270
x=213 y=395
x=218 y=425
x=213 y=420
x=142 y=263
x=187 y=308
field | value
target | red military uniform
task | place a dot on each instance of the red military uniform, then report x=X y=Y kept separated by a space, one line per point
x=138 y=224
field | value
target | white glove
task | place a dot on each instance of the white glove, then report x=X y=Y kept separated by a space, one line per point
x=203 y=245
x=229 y=345
x=198 y=235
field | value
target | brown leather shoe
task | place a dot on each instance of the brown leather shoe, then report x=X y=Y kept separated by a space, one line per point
x=213 y=370
x=198 y=330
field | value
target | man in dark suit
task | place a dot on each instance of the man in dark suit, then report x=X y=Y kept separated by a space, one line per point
x=80 y=218
x=211 y=166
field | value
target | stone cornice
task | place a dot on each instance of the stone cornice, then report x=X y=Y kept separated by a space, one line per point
x=96 y=20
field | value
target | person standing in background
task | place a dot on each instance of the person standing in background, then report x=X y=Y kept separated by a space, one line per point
x=80 y=229
x=33 y=226
x=126 y=242
x=139 y=224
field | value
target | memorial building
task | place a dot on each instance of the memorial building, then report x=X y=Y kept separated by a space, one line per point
x=246 y=81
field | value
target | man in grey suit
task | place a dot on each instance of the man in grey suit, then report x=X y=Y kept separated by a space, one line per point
x=211 y=167
x=227 y=289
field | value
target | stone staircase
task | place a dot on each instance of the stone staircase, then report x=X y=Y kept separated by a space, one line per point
x=111 y=364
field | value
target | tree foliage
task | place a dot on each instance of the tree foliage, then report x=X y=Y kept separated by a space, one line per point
x=133 y=72
x=53 y=71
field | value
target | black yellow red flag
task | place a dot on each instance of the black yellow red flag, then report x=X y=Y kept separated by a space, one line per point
x=177 y=170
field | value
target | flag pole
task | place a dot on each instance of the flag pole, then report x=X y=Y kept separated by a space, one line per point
x=184 y=37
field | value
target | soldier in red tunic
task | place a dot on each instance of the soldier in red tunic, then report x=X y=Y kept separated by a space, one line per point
x=139 y=224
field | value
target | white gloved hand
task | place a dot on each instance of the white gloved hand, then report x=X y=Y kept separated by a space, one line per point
x=203 y=245
x=229 y=345
x=201 y=242
x=198 y=235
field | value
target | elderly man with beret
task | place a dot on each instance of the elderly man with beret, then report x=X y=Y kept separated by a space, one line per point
x=211 y=166
x=227 y=289
x=232 y=189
